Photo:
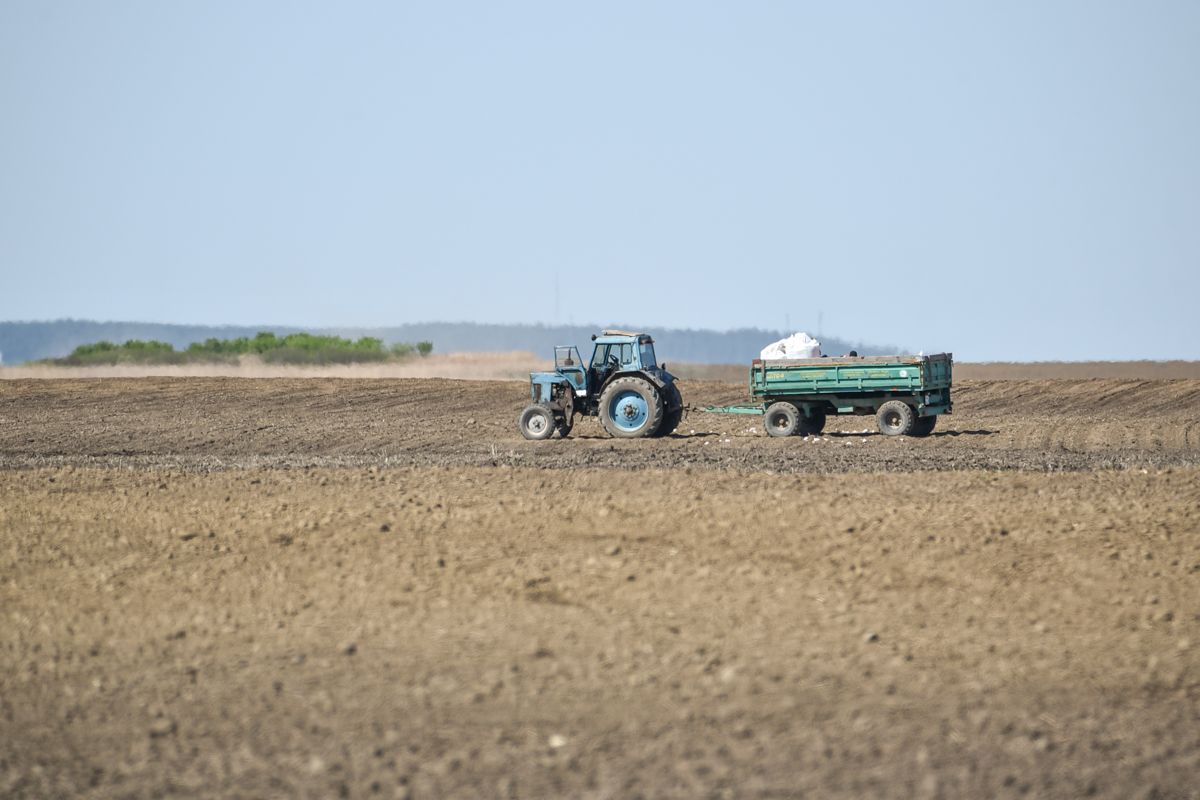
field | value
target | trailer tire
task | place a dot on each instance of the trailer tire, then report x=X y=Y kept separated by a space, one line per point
x=671 y=418
x=812 y=424
x=631 y=408
x=895 y=418
x=781 y=419
x=924 y=426
x=537 y=422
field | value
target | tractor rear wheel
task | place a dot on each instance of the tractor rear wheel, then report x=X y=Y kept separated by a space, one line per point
x=537 y=422
x=924 y=426
x=631 y=408
x=895 y=418
x=812 y=424
x=781 y=419
x=671 y=419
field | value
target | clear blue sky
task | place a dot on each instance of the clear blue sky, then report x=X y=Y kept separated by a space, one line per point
x=1006 y=181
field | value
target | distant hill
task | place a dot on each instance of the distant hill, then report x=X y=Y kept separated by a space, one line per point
x=27 y=341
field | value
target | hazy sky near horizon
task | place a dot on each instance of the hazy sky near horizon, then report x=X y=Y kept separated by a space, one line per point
x=1015 y=181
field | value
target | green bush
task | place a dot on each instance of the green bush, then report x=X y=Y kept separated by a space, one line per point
x=295 y=348
x=133 y=351
x=407 y=348
x=91 y=349
x=136 y=345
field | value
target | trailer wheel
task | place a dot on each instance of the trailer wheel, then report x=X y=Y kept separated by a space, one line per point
x=923 y=426
x=631 y=408
x=895 y=418
x=537 y=422
x=812 y=424
x=781 y=419
x=671 y=419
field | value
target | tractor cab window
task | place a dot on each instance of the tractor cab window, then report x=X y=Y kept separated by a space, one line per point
x=648 y=361
x=600 y=356
x=626 y=354
x=567 y=357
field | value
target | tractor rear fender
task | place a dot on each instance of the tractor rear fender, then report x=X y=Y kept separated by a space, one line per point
x=662 y=379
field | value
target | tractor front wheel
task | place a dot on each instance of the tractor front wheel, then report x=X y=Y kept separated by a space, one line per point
x=631 y=408
x=537 y=422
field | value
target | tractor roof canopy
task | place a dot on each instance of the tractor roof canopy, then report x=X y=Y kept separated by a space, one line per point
x=620 y=337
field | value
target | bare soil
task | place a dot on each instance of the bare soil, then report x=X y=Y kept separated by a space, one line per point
x=1076 y=370
x=218 y=423
x=220 y=587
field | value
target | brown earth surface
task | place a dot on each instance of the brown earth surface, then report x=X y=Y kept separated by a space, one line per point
x=216 y=423
x=375 y=588
x=1076 y=370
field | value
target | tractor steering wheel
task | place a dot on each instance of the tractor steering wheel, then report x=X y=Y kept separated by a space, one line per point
x=614 y=362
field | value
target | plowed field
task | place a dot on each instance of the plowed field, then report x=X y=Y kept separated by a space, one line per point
x=375 y=588
x=206 y=423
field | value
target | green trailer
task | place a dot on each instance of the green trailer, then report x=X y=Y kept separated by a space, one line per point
x=905 y=394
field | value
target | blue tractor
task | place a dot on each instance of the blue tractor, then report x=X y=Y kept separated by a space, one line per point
x=633 y=395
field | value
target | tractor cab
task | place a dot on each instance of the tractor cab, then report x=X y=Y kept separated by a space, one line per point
x=621 y=351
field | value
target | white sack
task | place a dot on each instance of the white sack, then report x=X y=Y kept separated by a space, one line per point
x=799 y=345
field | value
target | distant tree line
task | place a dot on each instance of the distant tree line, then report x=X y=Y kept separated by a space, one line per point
x=28 y=341
x=294 y=348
